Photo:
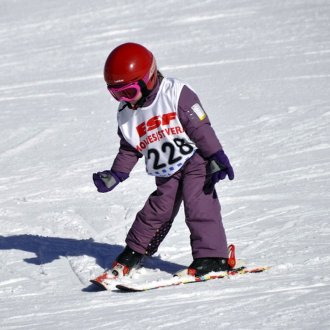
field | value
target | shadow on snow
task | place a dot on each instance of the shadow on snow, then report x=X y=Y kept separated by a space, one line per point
x=48 y=249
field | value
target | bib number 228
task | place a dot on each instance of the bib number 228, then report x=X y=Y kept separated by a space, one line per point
x=170 y=150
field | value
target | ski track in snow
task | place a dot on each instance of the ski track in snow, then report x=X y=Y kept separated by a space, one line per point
x=262 y=71
x=27 y=144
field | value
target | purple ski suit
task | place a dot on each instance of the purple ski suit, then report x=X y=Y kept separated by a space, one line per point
x=202 y=211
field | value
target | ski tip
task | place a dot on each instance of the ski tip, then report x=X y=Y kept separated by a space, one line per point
x=99 y=285
x=260 y=269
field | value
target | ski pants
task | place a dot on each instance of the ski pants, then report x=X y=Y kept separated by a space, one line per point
x=202 y=212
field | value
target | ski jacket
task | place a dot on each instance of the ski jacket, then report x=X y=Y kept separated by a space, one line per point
x=167 y=130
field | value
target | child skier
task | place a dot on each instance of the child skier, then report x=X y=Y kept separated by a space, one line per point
x=163 y=120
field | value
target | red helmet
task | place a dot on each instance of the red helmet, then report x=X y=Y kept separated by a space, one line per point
x=130 y=62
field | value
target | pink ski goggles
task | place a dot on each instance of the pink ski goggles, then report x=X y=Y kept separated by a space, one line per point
x=127 y=92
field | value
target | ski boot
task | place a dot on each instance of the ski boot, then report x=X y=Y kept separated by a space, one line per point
x=125 y=262
x=122 y=266
x=203 y=266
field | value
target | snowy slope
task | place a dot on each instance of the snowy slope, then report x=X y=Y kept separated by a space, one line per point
x=262 y=71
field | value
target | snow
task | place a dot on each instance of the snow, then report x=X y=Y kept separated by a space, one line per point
x=262 y=71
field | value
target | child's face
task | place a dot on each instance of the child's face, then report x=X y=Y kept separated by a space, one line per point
x=130 y=93
x=136 y=98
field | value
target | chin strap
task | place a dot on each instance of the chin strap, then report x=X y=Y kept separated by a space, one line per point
x=145 y=93
x=138 y=104
x=133 y=106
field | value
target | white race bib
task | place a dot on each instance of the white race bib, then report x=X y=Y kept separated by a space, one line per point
x=156 y=131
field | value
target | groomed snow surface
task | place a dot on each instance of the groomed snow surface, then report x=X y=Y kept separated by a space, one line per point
x=262 y=71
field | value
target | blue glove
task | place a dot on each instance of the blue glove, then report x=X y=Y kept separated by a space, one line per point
x=107 y=180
